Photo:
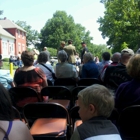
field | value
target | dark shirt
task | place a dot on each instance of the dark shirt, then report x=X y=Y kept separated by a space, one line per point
x=90 y=70
x=85 y=49
x=115 y=75
x=127 y=94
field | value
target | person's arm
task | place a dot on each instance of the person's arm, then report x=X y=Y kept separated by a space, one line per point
x=75 y=135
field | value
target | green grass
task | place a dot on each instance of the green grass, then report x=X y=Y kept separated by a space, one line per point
x=6 y=66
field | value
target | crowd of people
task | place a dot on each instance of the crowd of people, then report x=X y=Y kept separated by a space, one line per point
x=119 y=75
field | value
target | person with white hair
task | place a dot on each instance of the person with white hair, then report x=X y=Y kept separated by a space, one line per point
x=64 y=69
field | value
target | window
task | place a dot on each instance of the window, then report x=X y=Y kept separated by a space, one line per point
x=19 y=33
x=22 y=35
x=23 y=47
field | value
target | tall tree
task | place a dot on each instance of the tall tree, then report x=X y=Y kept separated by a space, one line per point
x=32 y=36
x=62 y=27
x=121 y=23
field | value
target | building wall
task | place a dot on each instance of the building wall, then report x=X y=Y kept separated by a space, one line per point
x=20 y=41
x=7 y=46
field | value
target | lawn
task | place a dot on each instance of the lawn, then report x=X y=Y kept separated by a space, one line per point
x=6 y=66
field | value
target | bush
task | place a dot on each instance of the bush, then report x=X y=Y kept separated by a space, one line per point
x=5 y=59
x=53 y=52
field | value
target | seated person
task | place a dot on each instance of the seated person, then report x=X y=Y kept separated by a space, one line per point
x=64 y=69
x=128 y=93
x=96 y=104
x=116 y=75
x=89 y=69
x=17 y=129
x=29 y=75
x=6 y=79
x=47 y=68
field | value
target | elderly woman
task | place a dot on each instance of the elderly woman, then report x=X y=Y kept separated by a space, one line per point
x=29 y=75
x=47 y=68
x=64 y=69
x=9 y=128
x=128 y=93
x=89 y=69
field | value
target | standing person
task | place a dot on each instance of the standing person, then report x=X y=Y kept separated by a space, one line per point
x=62 y=45
x=17 y=129
x=84 y=50
x=45 y=49
x=96 y=104
x=71 y=52
x=1 y=62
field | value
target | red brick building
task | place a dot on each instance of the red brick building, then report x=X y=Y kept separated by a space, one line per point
x=12 y=38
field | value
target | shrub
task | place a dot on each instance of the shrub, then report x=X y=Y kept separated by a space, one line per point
x=5 y=59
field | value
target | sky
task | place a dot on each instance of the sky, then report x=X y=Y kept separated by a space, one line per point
x=37 y=12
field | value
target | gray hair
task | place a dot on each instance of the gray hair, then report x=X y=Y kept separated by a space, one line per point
x=88 y=57
x=62 y=56
x=43 y=57
x=100 y=97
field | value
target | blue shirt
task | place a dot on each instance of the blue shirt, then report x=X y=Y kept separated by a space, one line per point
x=5 y=78
x=90 y=70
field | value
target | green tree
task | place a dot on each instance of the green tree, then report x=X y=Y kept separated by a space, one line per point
x=121 y=23
x=32 y=36
x=62 y=27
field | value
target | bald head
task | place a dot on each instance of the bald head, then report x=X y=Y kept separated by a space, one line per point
x=116 y=57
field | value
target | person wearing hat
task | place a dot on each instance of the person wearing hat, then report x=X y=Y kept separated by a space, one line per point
x=116 y=75
x=84 y=50
x=62 y=45
x=71 y=52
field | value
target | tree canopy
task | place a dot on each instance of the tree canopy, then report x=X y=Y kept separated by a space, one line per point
x=62 y=27
x=121 y=23
x=32 y=36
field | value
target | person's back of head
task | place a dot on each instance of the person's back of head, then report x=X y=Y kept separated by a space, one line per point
x=27 y=58
x=6 y=112
x=62 y=43
x=45 y=48
x=98 y=101
x=116 y=57
x=88 y=57
x=62 y=56
x=106 y=56
x=70 y=41
x=126 y=54
x=43 y=57
x=133 y=66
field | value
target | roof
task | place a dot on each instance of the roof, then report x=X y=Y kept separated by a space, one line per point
x=5 y=33
x=6 y=23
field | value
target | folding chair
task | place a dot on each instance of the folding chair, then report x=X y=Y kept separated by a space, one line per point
x=70 y=83
x=129 y=123
x=23 y=95
x=88 y=81
x=58 y=94
x=74 y=93
x=75 y=119
x=47 y=120
x=17 y=115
